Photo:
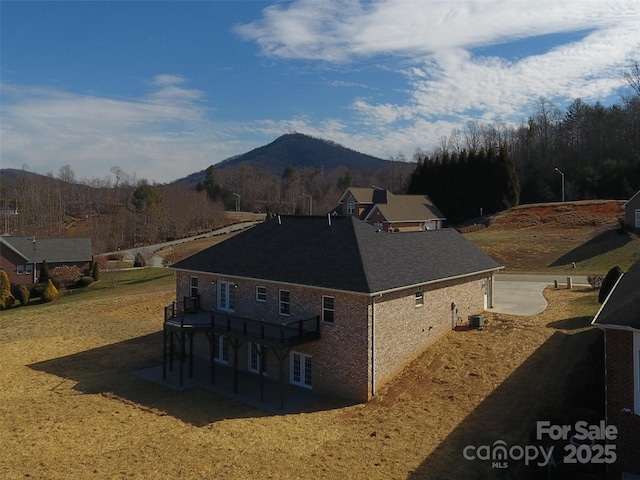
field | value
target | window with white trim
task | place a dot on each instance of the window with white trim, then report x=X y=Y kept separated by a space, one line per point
x=227 y=296
x=193 y=286
x=257 y=360
x=261 y=294
x=285 y=304
x=19 y=269
x=351 y=206
x=29 y=269
x=300 y=373
x=328 y=309
x=419 y=298
x=221 y=350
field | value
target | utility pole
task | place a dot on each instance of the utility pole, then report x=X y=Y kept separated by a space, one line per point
x=557 y=170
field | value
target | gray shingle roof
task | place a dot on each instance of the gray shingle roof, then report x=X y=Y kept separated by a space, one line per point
x=53 y=250
x=621 y=309
x=347 y=255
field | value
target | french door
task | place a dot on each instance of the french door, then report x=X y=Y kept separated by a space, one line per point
x=300 y=373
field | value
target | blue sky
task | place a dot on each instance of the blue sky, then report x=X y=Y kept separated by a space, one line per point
x=166 y=88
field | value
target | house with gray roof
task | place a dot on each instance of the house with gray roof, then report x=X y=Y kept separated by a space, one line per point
x=390 y=212
x=327 y=303
x=632 y=212
x=22 y=257
x=619 y=317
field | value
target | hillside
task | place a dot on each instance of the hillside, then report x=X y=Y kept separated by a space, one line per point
x=559 y=238
x=299 y=151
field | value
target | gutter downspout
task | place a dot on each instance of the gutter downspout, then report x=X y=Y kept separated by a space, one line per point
x=373 y=346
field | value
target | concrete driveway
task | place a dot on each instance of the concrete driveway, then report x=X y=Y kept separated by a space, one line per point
x=522 y=294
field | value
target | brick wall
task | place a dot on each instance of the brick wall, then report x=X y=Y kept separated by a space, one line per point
x=403 y=331
x=342 y=358
x=619 y=395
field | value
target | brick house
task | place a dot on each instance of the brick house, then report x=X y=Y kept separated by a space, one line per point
x=389 y=212
x=22 y=257
x=632 y=212
x=619 y=317
x=337 y=306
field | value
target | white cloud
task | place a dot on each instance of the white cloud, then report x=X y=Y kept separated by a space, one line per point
x=436 y=44
x=162 y=136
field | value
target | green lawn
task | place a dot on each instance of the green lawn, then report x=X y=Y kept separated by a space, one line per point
x=129 y=280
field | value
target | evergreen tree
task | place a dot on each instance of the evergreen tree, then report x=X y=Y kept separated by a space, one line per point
x=608 y=282
x=6 y=298
x=44 y=272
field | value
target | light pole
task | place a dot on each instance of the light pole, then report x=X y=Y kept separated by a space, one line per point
x=237 y=202
x=310 y=202
x=33 y=242
x=557 y=170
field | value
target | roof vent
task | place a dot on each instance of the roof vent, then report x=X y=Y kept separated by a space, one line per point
x=279 y=220
x=329 y=218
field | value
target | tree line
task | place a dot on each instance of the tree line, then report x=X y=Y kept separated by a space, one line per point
x=468 y=184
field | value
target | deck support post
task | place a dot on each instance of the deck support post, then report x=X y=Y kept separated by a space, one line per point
x=191 y=335
x=164 y=354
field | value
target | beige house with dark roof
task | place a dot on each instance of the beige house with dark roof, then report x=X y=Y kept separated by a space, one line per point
x=389 y=212
x=325 y=303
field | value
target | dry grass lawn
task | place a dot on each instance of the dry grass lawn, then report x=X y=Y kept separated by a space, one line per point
x=70 y=407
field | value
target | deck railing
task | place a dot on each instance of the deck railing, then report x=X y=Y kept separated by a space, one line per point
x=186 y=314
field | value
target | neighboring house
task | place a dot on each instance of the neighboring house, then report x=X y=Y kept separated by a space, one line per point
x=389 y=212
x=632 y=212
x=327 y=303
x=22 y=257
x=619 y=317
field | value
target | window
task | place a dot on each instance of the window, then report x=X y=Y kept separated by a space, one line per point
x=193 y=286
x=419 y=298
x=20 y=269
x=221 y=350
x=285 y=305
x=638 y=218
x=261 y=294
x=226 y=296
x=257 y=358
x=327 y=309
x=300 y=373
x=29 y=269
x=351 y=206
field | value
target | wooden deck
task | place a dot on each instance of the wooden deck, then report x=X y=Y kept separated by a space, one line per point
x=184 y=320
x=187 y=317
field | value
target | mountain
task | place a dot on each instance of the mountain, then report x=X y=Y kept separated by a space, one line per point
x=299 y=151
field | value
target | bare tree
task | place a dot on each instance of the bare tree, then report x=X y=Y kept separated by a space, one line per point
x=632 y=77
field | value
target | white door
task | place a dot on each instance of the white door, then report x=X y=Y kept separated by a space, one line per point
x=300 y=374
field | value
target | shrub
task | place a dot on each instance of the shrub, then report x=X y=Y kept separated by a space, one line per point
x=595 y=281
x=21 y=293
x=95 y=271
x=65 y=275
x=608 y=283
x=36 y=290
x=139 y=260
x=25 y=295
x=6 y=298
x=50 y=292
x=84 y=281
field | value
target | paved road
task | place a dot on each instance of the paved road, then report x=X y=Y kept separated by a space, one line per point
x=517 y=294
x=153 y=260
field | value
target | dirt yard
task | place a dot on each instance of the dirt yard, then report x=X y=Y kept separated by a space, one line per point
x=70 y=407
